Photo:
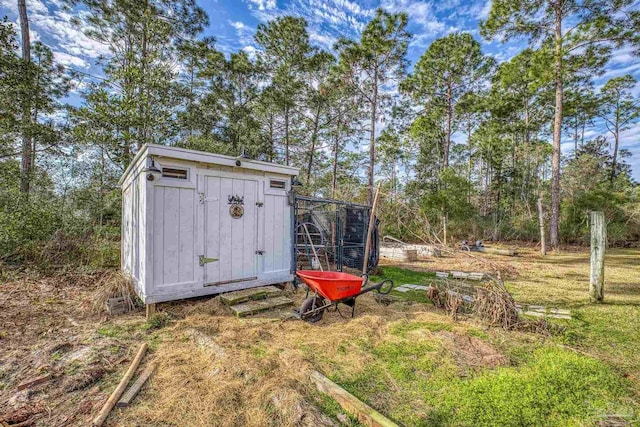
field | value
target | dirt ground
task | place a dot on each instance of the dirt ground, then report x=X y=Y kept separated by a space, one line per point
x=215 y=369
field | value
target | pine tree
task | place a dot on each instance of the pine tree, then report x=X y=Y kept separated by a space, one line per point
x=619 y=110
x=378 y=59
x=586 y=29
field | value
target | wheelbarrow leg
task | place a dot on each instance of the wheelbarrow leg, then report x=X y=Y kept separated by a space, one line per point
x=353 y=309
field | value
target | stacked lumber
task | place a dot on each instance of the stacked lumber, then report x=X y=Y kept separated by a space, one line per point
x=398 y=254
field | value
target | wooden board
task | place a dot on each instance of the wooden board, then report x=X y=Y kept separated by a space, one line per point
x=35 y=381
x=244 y=295
x=365 y=413
x=135 y=388
x=497 y=251
x=251 y=307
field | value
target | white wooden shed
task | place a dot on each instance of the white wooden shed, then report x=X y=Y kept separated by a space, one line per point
x=196 y=223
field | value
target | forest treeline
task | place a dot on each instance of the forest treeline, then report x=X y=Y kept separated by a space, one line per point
x=465 y=147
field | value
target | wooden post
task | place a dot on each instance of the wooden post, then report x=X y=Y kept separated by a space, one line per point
x=151 y=310
x=444 y=228
x=598 y=246
x=372 y=219
x=543 y=238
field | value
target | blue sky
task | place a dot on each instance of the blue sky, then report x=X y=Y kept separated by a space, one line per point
x=233 y=23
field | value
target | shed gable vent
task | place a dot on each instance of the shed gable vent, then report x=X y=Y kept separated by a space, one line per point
x=277 y=184
x=174 y=173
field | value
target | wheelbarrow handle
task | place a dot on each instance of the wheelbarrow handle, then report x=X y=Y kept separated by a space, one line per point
x=382 y=290
x=377 y=287
x=366 y=279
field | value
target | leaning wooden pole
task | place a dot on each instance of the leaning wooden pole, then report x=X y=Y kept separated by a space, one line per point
x=372 y=221
x=598 y=246
x=111 y=401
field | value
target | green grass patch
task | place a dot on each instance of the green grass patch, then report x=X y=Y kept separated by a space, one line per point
x=403 y=276
x=331 y=408
x=557 y=387
x=416 y=384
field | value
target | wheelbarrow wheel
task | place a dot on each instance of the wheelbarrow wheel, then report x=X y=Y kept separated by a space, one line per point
x=308 y=306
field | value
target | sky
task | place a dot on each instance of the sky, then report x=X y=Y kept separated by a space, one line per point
x=233 y=24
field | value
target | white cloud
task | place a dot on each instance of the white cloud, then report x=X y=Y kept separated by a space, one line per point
x=70 y=60
x=324 y=40
x=264 y=4
x=244 y=32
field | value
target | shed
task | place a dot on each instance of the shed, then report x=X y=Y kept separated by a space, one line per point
x=196 y=223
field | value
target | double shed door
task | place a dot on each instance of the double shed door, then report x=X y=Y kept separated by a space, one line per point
x=230 y=243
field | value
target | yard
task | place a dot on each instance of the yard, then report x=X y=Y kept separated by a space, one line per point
x=409 y=360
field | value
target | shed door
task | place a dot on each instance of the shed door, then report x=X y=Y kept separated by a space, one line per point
x=230 y=228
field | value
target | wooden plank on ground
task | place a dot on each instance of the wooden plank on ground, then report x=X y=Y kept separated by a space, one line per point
x=251 y=307
x=115 y=395
x=35 y=381
x=498 y=251
x=135 y=388
x=244 y=295
x=365 y=413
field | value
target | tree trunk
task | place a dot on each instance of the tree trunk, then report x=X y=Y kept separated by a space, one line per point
x=557 y=134
x=598 y=246
x=334 y=177
x=616 y=139
x=314 y=139
x=372 y=141
x=286 y=134
x=26 y=171
x=447 y=137
x=543 y=240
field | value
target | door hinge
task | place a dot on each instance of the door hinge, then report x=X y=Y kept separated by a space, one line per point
x=202 y=260
x=259 y=204
x=260 y=252
x=201 y=198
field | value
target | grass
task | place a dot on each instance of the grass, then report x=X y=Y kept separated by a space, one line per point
x=403 y=276
x=586 y=374
x=416 y=382
x=409 y=360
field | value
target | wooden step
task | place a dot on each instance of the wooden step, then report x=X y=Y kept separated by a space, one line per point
x=251 y=307
x=237 y=297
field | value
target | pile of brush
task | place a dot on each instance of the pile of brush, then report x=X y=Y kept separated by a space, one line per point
x=490 y=301
x=113 y=285
x=495 y=305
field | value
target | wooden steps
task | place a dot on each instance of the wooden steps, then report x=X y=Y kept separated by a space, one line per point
x=252 y=307
x=244 y=295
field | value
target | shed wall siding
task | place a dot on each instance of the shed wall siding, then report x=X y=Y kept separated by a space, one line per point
x=174 y=236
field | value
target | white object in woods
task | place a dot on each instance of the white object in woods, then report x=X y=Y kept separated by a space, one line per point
x=196 y=223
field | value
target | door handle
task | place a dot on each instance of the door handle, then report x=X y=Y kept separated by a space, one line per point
x=260 y=252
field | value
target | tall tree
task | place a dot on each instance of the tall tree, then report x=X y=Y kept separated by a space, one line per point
x=450 y=67
x=137 y=103
x=285 y=56
x=25 y=169
x=619 y=110
x=375 y=61
x=584 y=28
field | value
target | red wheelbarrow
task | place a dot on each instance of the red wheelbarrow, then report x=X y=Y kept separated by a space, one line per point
x=334 y=287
